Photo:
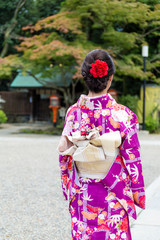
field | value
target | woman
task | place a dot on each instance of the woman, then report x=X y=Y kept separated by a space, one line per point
x=99 y=158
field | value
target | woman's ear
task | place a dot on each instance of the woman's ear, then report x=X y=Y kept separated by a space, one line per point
x=109 y=82
x=111 y=78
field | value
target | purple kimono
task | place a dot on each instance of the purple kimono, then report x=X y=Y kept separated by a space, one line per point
x=99 y=208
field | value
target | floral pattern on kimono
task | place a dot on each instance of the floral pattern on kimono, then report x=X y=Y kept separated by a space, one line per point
x=124 y=179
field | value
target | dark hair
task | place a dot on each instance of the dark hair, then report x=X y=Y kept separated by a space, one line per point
x=96 y=84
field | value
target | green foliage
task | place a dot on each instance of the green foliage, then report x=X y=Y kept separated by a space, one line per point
x=50 y=131
x=60 y=125
x=81 y=26
x=151 y=124
x=126 y=41
x=48 y=7
x=26 y=15
x=129 y=101
x=3 y=117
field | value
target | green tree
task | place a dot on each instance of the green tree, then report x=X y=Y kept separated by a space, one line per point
x=64 y=39
x=119 y=26
x=14 y=15
x=55 y=46
x=48 y=7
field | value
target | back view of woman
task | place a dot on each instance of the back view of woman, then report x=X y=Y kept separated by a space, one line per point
x=100 y=159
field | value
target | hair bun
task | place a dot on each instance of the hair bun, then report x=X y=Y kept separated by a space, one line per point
x=98 y=82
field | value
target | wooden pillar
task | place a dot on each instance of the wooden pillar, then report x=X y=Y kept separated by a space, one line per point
x=34 y=110
x=31 y=105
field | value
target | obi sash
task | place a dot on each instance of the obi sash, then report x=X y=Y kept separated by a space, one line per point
x=93 y=154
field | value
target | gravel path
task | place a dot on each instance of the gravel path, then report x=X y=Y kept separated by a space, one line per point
x=31 y=201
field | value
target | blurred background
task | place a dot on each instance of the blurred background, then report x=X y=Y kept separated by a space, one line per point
x=43 y=44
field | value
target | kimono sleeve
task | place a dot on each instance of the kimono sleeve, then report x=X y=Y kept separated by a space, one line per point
x=65 y=161
x=130 y=152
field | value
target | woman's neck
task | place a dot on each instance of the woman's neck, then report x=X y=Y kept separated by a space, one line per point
x=93 y=94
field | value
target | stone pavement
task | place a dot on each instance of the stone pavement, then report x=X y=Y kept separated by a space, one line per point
x=147 y=226
x=31 y=201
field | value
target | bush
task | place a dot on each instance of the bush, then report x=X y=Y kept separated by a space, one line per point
x=52 y=131
x=129 y=101
x=151 y=124
x=3 y=117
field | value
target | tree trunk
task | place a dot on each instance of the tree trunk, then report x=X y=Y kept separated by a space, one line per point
x=74 y=84
x=66 y=98
x=124 y=87
x=7 y=34
x=5 y=49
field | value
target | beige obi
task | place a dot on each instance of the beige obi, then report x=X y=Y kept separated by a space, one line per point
x=93 y=154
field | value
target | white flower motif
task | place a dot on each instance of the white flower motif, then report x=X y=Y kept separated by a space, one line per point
x=104 y=112
x=74 y=190
x=123 y=235
x=85 y=237
x=89 y=104
x=101 y=216
x=112 y=236
x=124 y=175
x=74 y=219
x=76 y=125
x=84 y=115
x=111 y=204
x=120 y=115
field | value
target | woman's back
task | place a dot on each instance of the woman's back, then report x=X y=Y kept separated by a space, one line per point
x=100 y=159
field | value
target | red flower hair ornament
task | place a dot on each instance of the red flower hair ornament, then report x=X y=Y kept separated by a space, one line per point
x=99 y=69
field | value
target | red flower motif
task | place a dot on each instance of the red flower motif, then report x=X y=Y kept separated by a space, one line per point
x=83 y=122
x=90 y=113
x=83 y=106
x=134 y=180
x=64 y=179
x=142 y=202
x=73 y=210
x=120 y=177
x=75 y=185
x=131 y=204
x=77 y=235
x=90 y=231
x=124 y=225
x=136 y=120
x=84 y=133
x=70 y=164
x=126 y=179
x=99 y=69
x=64 y=158
x=69 y=184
